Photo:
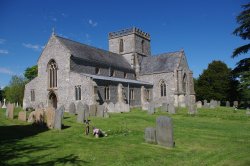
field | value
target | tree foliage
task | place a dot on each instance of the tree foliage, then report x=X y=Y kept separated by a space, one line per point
x=14 y=92
x=216 y=82
x=243 y=31
x=31 y=72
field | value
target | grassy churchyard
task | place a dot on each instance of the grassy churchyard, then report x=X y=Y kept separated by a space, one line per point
x=217 y=136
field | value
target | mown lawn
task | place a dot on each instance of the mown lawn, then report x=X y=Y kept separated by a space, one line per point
x=213 y=137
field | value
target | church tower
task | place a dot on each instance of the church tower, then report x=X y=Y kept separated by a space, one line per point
x=133 y=44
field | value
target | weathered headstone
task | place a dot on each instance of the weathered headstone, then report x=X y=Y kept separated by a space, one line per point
x=218 y=103
x=50 y=117
x=4 y=104
x=22 y=116
x=164 y=107
x=92 y=110
x=145 y=106
x=151 y=108
x=206 y=105
x=164 y=131
x=199 y=104
x=227 y=104
x=192 y=108
x=150 y=135
x=86 y=112
x=121 y=107
x=106 y=114
x=72 y=108
x=236 y=103
x=58 y=118
x=248 y=113
x=111 y=107
x=171 y=108
x=100 y=111
x=10 y=111
x=80 y=109
x=212 y=104
x=0 y=104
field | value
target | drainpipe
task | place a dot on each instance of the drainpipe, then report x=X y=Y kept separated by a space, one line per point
x=128 y=93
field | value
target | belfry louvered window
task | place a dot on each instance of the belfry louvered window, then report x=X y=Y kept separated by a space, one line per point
x=52 y=74
x=121 y=49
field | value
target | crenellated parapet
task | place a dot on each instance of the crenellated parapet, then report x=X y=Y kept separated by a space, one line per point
x=129 y=31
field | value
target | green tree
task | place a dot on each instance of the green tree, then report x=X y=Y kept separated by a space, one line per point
x=14 y=92
x=216 y=83
x=31 y=72
x=243 y=30
x=242 y=70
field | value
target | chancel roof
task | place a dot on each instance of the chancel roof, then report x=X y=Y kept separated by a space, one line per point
x=166 y=62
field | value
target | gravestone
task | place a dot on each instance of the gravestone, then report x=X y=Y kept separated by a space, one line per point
x=171 y=108
x=164 y=107
x=72 y=108
x=218 y=103
x=192 y=109
x=248 y=113
x=199 y=104
x=145 y=106
x=81 y=112
x=58 y=118
x=4 y=104
x=227 y=104
x=206 y=105
x=236 y=103
x=0 y=104
x=92 y=110
x=121 y=107
x=106 y=114
x=150 y=135
x=50 y=117
x=86 y=112
x=10 y=111
x=151 y=108
x=22 y=116
x=100 y=111
x=212 y=105
x=111 y=107
x=164 y=131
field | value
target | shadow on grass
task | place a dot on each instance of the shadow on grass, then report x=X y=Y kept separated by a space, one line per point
x=13 y=151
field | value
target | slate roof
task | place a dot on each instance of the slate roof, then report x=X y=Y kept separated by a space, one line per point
x=94 y=55
x=166 y=62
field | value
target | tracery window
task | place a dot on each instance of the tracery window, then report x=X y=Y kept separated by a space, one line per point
x=52 y=74
x=163 y=89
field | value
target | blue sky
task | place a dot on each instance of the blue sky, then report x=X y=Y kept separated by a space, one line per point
x=202 y=28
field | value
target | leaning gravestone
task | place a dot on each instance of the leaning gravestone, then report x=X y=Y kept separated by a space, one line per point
x=100 y=111
x=199 y=104
x=236 y=103
x=227 y=104
x=164 y=107
x=10 y=111
x=50 y=117
x=58 y=118
x=151 y=108
x=164 y=131
x=171 y=108
x=92 y=110
x=72 y=108
x=22 y=116
x=150 y=135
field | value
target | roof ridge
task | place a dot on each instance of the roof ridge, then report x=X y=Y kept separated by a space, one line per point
x=156 y=55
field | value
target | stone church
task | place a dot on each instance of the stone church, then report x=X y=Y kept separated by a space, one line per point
x=69 y=71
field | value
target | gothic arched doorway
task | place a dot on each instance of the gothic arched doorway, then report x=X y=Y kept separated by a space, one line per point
x=53 y=100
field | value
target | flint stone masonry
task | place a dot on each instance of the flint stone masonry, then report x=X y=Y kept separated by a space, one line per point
x=72 y=108
x=199 y=104
x=150 y=135
x=164 y=131
x=58 y=118
x=22 y=116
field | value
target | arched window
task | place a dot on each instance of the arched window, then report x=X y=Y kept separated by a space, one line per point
x=184 y=82
x=52 y=74
x=163 y=89
x=142 y=46
x=121 y=46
